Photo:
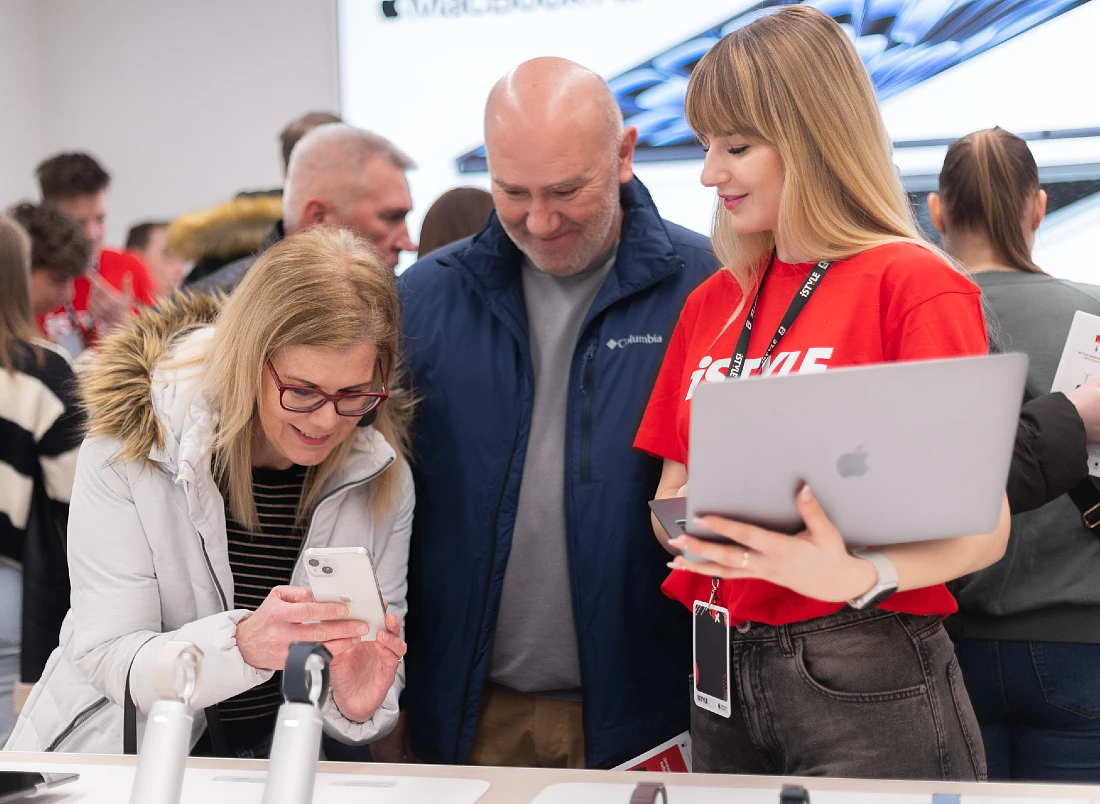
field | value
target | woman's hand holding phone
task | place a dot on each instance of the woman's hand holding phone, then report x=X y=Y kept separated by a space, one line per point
x=289 y=614
x=362 y=673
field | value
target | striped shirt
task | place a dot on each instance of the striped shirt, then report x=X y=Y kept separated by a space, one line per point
x=40 y=432
x=261 y=560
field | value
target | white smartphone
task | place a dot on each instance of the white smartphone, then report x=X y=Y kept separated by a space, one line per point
x=346 y=575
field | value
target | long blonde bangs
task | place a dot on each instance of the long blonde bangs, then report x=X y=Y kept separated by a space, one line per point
x=793 y=80
x=323 y=287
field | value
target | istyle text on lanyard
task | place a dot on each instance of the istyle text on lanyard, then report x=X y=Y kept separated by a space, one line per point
x=737 y=362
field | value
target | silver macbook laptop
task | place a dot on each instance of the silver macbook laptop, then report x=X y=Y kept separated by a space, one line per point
x=899 y=452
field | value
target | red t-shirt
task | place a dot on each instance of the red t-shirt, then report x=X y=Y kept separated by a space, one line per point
x=890 y=303
x=114 y=266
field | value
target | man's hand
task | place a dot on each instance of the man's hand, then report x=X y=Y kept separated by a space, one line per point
x=108 y=306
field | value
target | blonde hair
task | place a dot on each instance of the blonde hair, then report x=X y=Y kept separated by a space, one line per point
x=16 y=318
x=326 y=288
x=988 y=178
x=793 y=80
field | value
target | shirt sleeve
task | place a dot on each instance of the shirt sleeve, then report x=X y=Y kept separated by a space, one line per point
x=657 y=433
x=57 y=447
x=949 y=324
x=1050 y=457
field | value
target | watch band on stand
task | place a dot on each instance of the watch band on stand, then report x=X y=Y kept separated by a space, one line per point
x=793 y=794
x=176 y=672
x=649 y=793
x=305 y=676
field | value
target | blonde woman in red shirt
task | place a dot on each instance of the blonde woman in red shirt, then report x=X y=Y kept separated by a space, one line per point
x=830 y=673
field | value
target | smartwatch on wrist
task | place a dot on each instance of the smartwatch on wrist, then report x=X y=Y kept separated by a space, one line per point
x=886 y=584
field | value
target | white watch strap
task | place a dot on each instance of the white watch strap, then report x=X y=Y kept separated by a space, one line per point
x=887 y=577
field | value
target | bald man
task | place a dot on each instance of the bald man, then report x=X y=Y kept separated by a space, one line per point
x=343 y=176
x=538 y=634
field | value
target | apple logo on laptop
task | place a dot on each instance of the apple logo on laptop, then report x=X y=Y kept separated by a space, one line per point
x=852 y=464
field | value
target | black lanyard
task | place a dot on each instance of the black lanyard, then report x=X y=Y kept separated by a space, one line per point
x=737 y=362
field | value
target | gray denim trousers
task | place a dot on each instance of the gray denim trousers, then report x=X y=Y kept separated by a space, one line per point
x=858 y=694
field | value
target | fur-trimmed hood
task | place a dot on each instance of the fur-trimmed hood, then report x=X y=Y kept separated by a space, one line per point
x=227 y=230
x=117 y=385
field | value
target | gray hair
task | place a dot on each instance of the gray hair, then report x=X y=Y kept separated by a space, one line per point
x=328 y=163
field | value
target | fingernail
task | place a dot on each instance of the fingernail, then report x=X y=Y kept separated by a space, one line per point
x=344 y=611
x=676 y=540
x=698 y=522
x=806 y=494
x=362 y=629
x=672 y=565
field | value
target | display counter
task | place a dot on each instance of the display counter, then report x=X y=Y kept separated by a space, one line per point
x=107 y=780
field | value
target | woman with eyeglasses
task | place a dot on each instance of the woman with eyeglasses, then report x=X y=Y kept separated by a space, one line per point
x=221 y=444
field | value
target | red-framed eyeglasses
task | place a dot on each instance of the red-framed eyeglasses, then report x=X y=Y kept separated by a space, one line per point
x=301 y=399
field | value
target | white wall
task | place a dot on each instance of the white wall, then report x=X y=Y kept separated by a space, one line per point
x=22 y=124
x=181 y=102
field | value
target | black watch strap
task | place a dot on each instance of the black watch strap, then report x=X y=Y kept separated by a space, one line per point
x=793 y=794
x=305 y=677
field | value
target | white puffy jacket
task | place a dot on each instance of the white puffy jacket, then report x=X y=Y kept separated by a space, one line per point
x=148 y=561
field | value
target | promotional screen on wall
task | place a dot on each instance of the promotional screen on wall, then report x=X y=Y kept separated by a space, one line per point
x=418 y=72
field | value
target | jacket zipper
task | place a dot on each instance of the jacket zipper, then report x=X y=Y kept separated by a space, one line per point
x=213 y=575
x=586 y=412
x=77 y=721
x=330 y=495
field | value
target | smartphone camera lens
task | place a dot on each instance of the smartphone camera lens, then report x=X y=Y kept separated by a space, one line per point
x=326 y=570
x=313 y=562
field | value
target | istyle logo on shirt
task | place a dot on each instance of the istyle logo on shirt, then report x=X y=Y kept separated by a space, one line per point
x=813 y=362
x=622 y=343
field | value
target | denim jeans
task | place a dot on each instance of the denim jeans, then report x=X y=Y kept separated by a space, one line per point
x=11 y=624
x=1038 y=704
x=860 y=694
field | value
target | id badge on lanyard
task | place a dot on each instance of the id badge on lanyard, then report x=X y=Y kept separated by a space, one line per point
x=711 y=622
x=710 y=646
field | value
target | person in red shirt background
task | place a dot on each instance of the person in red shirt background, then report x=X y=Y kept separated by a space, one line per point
x=77 y=185
x=798 y=154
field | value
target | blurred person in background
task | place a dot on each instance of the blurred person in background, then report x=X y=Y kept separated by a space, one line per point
x=77 y=184
x=213 y=238
x=40 y=430
x=1029 y=626
x=341 y=176
x=59 y=257
x=458 y=213
x=148 y=241
x=298 y=128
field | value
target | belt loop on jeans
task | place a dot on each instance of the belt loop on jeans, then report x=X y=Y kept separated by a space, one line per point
x=785 y=640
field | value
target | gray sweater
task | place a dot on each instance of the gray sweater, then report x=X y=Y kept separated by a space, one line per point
x=1047 y=587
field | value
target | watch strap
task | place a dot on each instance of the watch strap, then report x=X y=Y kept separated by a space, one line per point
x=886 y=584
x=649 y=793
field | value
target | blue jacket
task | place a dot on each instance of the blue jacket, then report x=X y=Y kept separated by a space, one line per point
x=468 y=350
